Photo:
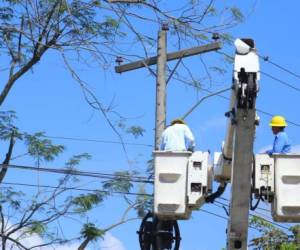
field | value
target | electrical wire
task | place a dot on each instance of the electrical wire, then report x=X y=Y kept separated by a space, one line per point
x=96 y=140
x=267 y=59
x=271 y=115
x=132 y=178
x=267 y=220
x=259 y=208
x=280 y=81
x=267 y=74
x=223 y=217
x=208 y=212
x=258 y=110
x=73 y=188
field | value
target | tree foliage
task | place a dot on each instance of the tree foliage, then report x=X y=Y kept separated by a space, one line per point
x=273 y=238
x=95 y=30
x=24 y=215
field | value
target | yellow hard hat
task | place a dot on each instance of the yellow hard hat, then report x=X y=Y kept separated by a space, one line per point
x=278 y=121
x=177 y=121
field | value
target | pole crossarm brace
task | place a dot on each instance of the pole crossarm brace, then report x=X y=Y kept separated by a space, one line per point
x=170 y=57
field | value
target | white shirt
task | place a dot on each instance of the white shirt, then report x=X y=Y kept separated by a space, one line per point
x=177 y=137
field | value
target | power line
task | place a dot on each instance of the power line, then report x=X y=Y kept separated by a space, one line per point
x=265 y=219
x=132 y=178
x=259 y=216
x=97 y=140
x=208 y=212
x=266 y=74
x=222 y=217
x=267 y=59
x=259 y=208
x=256 y=212
x=281 y=81
x=274 y=78
x=270 y=76
x=73 y=188
x=258 y=110
x=271 y=115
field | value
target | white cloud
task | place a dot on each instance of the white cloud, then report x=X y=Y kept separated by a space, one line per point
x=108 y=243
x=111 y=243
x=35 y=240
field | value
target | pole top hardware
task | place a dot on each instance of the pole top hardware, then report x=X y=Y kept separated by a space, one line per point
x=119 y=60
x=165 y=27
x=216 y=36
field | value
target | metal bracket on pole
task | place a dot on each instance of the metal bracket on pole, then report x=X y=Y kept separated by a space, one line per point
x=174 y=69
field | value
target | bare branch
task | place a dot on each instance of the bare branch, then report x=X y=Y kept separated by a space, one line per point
x=7 y=157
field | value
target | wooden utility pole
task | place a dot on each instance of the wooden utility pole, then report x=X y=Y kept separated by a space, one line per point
x=160 y=110
x=241 y=179
x=161 y=60
x=163 y=229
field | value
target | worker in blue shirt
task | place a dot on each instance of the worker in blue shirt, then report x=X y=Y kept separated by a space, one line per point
x=281 y=144
x=177 y=137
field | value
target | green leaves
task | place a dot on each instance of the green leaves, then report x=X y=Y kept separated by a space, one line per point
x=273 y=238
x=36 y=227
x=6 y=13
x=41 y=148
x=136 y=131
x=121 y=182
x=237 y=14
x=11 y=198
x=76 y=159
x=90 y=231
x=144 y=202
x=7 y=119
x=227 y=38
x=86 y=202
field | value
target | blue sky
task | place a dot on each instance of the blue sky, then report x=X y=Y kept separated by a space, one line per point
x=47 y=99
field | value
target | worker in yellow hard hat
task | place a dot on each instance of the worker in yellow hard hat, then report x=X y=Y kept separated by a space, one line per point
x=177 y=137
x=281 y=144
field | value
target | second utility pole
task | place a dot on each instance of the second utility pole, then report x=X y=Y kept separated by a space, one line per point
x=160 y=104
x=161 y=233
x=164 y=228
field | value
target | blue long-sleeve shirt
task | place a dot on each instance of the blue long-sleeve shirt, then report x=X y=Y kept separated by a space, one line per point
x=281 y=144
x=177 y=137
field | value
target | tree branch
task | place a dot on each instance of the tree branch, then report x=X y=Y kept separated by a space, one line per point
x=14 y=241
x=7 y=157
